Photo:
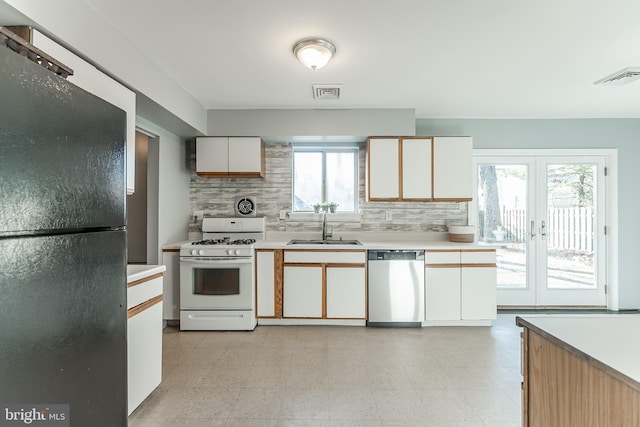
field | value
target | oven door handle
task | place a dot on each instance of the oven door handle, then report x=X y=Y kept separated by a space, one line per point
x=209 y=261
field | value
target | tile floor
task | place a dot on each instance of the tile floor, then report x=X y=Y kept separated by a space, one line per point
x=339 y=376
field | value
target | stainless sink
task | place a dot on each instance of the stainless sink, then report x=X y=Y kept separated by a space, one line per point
x=322 y=242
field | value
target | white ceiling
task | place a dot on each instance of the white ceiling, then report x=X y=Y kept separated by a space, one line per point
x=446 y=59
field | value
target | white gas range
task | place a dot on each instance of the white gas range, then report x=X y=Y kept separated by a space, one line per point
x=217 y=276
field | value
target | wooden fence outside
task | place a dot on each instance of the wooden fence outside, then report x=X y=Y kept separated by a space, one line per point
x=567 y=228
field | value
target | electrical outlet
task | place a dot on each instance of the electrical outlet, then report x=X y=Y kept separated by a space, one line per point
x=283 y=214
x=388 y=216
x=198 y=215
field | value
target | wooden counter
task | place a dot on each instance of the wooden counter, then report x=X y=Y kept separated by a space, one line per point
x=581 y=370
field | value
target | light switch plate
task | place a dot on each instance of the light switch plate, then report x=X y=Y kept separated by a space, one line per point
x=283 y=214
x=388 y=216
x=198 y=215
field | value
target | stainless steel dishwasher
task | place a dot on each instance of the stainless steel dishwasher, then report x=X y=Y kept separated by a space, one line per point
x=396 y=288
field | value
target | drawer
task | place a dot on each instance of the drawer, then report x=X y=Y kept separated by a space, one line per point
x=143 y=290
x=478 y=257
x=317 y=257
x=442 y=257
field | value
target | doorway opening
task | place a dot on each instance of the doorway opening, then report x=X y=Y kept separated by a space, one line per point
x=142 y=204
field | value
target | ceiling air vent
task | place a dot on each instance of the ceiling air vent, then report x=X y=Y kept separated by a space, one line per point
x=326 y=91
x=620 y=78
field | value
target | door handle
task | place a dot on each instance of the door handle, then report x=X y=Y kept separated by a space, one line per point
x=533 y=229
x=543 y=230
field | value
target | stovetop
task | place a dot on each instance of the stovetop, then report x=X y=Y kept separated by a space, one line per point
x=226 y=237
x=224 y=241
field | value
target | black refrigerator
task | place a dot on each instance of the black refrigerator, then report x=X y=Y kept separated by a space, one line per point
x=63 y=313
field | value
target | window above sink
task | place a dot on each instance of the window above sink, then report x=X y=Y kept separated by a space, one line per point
x=325 y=173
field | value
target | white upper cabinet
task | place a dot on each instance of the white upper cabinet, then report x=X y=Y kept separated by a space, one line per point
x=89 y=78
x=230 y=156
x=416 y=168
x=212 y=155
x=383 y=169
x=246 y=155
x=419 y=169
x=452 y=168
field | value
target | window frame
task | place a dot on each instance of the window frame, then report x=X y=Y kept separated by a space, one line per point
x=324 y=150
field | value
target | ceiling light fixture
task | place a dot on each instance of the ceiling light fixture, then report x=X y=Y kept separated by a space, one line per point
x=314 y=53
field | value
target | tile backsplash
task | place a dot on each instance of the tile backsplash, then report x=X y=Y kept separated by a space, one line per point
x=216 y=197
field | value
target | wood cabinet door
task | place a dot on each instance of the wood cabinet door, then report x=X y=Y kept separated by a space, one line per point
x=245 y=155
x=212 y=155
x=452 y=168
x=346 y=292
x=416 y=168
x=302 y=292
x=383 y=169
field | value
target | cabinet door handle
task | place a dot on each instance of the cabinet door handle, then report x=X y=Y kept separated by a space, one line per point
x=543 y=230
x=533 y=229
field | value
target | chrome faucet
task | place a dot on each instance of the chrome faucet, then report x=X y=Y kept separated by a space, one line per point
x=325 y=233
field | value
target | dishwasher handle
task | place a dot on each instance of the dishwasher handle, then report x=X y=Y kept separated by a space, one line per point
x=396 y=255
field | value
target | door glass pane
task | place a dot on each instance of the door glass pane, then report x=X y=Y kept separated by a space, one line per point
x=570 y=226
x=502 y=218
x=307 y=180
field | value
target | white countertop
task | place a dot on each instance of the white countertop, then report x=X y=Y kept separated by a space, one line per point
x=171 y=247
x=140 y=271
x=612 y=339
x=386 y=240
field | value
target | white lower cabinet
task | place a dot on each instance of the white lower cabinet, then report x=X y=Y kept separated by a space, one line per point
x=442 y=293
x=144 y=338
x=460 y=285
x=324 y=285
x=144 y=347
x=346 y=292
x=266 y=283
x=478 y=293
x=302 y=292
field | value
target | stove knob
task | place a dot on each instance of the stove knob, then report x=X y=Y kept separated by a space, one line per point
x=201 y=252
x=194 y=252
x=230 y=252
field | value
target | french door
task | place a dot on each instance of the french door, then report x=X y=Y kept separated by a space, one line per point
x=548 y=215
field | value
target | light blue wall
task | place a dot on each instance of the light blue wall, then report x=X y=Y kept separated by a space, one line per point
x=331 y=125
x=620 y=134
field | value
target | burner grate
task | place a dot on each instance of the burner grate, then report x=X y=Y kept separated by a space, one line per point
x=225 y=241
